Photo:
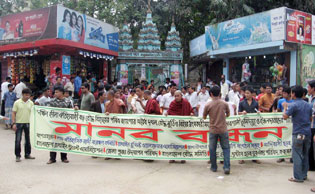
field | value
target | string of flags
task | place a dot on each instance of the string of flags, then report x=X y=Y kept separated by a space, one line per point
x=20 y=53
x=96 y=55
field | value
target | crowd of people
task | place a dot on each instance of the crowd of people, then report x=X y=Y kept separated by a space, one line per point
x=217 y=101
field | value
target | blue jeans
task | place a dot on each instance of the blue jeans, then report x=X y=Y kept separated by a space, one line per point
x=300 y=151
x=20 y=127
x=224 y=142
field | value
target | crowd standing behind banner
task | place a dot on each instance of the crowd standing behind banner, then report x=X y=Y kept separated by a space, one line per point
x=141 y=97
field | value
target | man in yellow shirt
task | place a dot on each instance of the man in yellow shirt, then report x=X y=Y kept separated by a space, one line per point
x=21 y=122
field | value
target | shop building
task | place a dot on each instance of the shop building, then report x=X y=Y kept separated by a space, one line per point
x=260 y=48
x=36 y=43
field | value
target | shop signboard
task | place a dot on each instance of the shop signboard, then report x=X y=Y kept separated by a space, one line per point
x=258 y=28
x=23 y=27
x=66 y=65
x=308 y=64
x=299 y=27
x=81 y=28
x=198 y=46
x=101 y=34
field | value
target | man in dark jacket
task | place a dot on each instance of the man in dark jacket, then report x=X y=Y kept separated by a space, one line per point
x=99 y=105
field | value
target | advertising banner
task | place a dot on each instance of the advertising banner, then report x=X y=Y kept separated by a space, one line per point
x=66 y=64
x=308 y=64
x=101 y=34
x=254 y=136
x=299 y=27
x=22 y=27
x=198 y=46
x=81 y=28
x=70 y=25
x=258 y=28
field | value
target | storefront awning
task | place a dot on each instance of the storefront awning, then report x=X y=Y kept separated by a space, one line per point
x=250 y=50
x=51 y=46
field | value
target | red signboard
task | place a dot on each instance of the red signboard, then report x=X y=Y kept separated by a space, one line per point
x=25 y=26
x=299 y=27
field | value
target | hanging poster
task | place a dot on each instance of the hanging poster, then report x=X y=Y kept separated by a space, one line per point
x=123 y=74
x=258 y=28
x=66 y=65
x=299 y=27
x=175 y=74
x=22 y=27
x=308 y=64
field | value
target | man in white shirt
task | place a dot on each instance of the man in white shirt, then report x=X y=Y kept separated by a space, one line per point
x=224 y=89
x=4 y=89
x=203 y=98
x=70 y=86
x=234 y=95
x=138 y=103
x=192 y=98
x=199 y=85
x=168 y=82
x=168 y=98
x=45 y=99
x=19 y=88
x=209 y=82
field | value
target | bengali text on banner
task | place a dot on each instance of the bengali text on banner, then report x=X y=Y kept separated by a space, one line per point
x=254 y=136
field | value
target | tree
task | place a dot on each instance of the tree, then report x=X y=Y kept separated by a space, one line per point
x=13 y=6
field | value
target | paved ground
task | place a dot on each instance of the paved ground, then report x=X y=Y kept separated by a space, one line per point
x=86 y=175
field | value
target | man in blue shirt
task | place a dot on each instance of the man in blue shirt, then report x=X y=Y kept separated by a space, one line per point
x=311 y=93
x=77 y=85
x=301 y=113
x=286 y=94
x=9 y=98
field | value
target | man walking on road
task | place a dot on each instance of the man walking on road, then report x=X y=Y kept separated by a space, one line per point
x=21 y=122
x=218 y=110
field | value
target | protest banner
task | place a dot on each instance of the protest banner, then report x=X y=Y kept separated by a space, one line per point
x=254 y=136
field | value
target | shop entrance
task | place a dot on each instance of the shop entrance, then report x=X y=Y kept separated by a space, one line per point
x=148 y=72
x=215 y=70
x=260 y=69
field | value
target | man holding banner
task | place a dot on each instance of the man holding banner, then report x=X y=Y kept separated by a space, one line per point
x=61 y=102
x=180 y=107
x=218 y=110
x=301 y=113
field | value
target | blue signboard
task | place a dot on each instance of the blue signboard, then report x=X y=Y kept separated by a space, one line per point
x=198 y=46
x=66 y=65
x=258 y=28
